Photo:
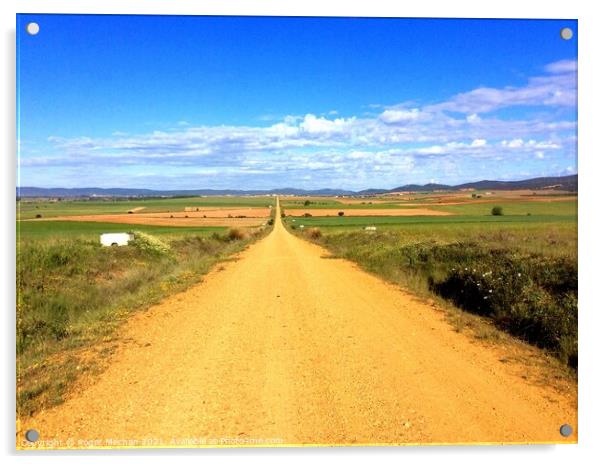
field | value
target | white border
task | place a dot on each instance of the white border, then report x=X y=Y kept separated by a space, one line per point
x=590 y=125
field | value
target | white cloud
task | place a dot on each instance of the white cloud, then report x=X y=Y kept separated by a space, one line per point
x=563 y=66
x=514 y=143
x=400 y=116
x=520 y=143
x=434 y=150
x=320 y=125
x=557 y=88
x=473 y=118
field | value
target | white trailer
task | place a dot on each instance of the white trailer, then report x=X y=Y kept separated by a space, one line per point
x=115 y=239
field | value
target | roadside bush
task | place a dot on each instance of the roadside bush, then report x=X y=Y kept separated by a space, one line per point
x=149 y=244
x=270 y=222
x=314 y=233
x=497 y=211
x=531 y=297
x=235 y=234
x=195 y=245
x=341 y=213
x=307 y=215
x=50 y=322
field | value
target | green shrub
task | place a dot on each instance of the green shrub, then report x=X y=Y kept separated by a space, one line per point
x=314 y=232
x=531 y=297
x=341 y=213
x=236 y=234
x=150 y=244
x=497 y=211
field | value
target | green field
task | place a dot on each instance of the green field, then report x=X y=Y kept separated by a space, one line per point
x=32 y=230
x=362 y=221
x=513 y=210
x=332 y=203
x=28 y=209
x=566 y=208
x=553 y=238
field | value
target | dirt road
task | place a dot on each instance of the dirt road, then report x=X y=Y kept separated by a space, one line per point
x=285 y=346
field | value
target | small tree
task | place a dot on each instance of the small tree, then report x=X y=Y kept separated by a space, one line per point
x=341 y=213
x=307 y=203
x=497 y=211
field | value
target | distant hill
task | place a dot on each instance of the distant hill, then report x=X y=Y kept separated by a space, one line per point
x=568 y=183
x=423 y=188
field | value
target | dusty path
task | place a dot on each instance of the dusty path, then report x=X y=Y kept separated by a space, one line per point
x=284 y=346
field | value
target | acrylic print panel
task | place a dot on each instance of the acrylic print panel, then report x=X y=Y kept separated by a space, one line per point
x=269 y=231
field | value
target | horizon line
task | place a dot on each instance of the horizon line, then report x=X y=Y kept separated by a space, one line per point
x=271 y=189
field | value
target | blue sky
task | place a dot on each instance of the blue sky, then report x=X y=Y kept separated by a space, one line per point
x=225 y=102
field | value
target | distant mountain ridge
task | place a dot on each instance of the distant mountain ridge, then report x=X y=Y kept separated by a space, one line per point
x=539 y=183
x=569 y=183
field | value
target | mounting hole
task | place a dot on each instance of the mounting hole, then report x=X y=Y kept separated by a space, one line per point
x=566 y=33
x=566 y=430
x=32 y=435
x=32 y=28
